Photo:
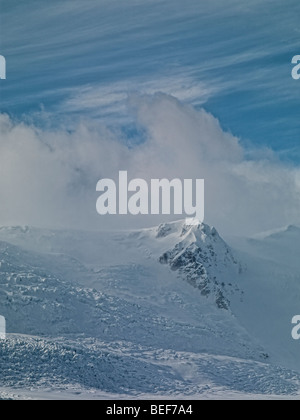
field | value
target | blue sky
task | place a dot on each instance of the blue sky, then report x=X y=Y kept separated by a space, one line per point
x=82 y=58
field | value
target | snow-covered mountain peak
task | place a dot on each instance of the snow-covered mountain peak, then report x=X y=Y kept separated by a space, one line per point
x=280 y=233
x=200 y=237
x=202 y=258
x=181 y=229
x=201 y=234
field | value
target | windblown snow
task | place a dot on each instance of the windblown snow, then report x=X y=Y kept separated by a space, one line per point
x=169 y=312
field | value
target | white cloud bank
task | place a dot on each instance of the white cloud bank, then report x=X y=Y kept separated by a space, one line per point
x=48 y=178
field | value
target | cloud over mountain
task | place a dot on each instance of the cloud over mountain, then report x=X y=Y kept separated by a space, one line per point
x=48 y=177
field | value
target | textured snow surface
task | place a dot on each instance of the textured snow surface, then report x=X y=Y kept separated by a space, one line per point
x=172 y=311
x=89 y=367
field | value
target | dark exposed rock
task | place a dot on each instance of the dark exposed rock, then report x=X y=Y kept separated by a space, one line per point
x=198 y=258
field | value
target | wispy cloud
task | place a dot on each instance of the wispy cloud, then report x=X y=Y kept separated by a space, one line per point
x=78 y=57
x=111 y=100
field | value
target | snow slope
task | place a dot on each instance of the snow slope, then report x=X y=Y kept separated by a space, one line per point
x=271 y=285
x=170 y=311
